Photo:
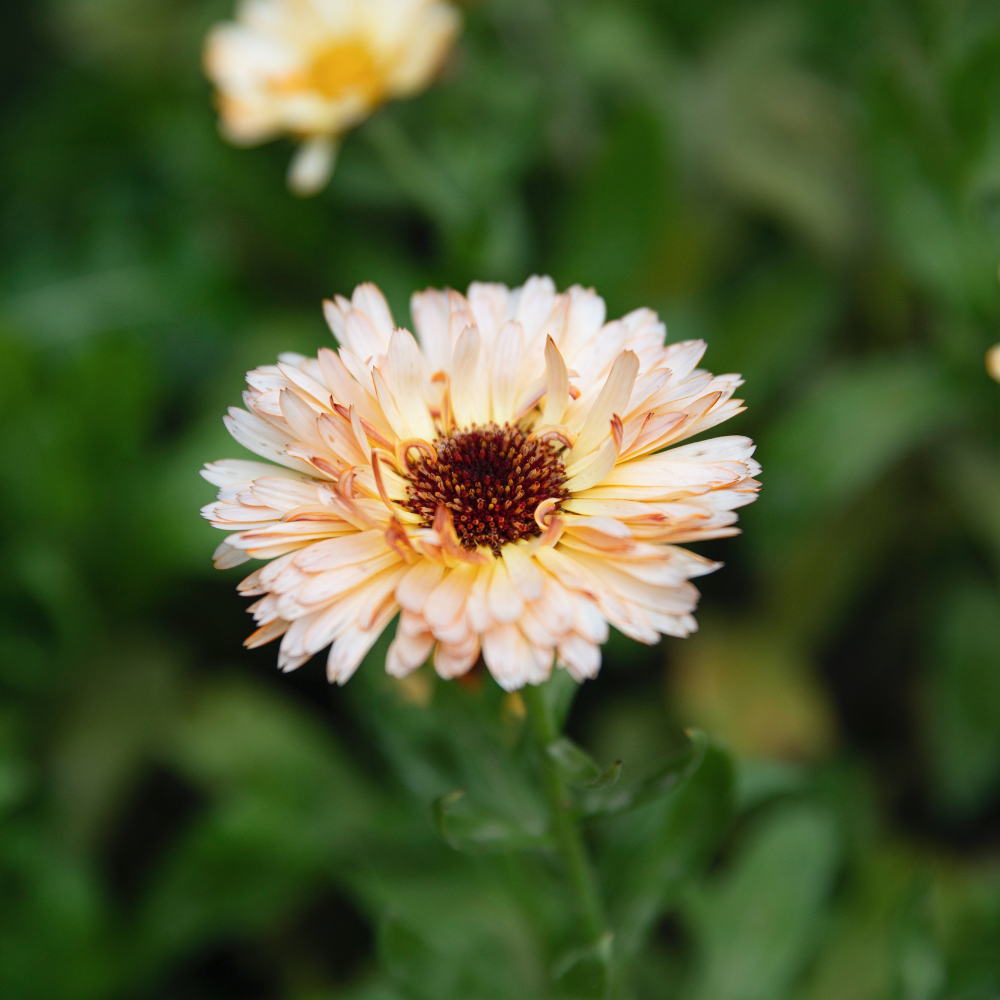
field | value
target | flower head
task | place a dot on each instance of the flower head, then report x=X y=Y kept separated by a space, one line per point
x=510 y=483
x=313 y=69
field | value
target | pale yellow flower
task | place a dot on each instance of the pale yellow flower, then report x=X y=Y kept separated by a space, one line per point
x=313 y=69
x=993 y=362
x=501 y=480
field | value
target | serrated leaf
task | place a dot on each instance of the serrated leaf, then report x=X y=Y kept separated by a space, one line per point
x=466 y=826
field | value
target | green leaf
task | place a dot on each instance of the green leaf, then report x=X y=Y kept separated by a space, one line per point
x=649 y=854
x=411 y=964
x=849 y=430
x=467 y=826
x=961 y=704
x=577 y=768
x=759 y=923
x=604 y=798
x=585 y=973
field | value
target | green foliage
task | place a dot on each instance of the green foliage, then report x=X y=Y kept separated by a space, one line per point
x=813 y=186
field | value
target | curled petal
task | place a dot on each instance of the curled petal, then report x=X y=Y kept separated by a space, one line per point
x=404 y=448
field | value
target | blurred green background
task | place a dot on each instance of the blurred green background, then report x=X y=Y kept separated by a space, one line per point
x=814 y=187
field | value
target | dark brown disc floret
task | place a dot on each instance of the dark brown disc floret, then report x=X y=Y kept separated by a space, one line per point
x=492 y=479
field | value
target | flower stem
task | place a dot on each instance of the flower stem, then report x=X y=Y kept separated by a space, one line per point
x=564 y=824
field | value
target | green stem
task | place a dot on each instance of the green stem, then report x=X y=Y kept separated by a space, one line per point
x=564 y=824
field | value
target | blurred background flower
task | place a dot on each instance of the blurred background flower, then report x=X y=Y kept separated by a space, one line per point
x=814 y=187
x=313 y=69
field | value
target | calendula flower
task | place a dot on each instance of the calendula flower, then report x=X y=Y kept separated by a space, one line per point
x=509 y=482
x=313 y=69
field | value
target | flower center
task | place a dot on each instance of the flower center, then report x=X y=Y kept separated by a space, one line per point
x=346 y=67
x=492 y=479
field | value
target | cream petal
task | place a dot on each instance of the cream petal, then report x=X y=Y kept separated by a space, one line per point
x=584 y=321
x=283 y=493
x=491 y=306
x=347 y=390
x=262 y=438
x=226 y=557
x=387 y=402
x=469 y=398
x=588 y=621
x=537 y=630
x=683 y=357
x=417 y=585
x=350 y=648
x=429 y=310
x=339 y=437
x=539 y=664
x=368 y=299
x=447 y=599
x=504 y=371
x=597 y=469
x=557 y=384
x=456 y=632
x=344 y=551
x=612 y=399
x=582 y=659
x=507 y=655
x=454 y=661
x=732 y=448
x=325 y=586
x=535 y=302
x=231 y=471
x=408 y=653
x=503 y=601
x=313 y=393
x=361 y=337
x=407 y=381
x=476 y=606
x=525 y=575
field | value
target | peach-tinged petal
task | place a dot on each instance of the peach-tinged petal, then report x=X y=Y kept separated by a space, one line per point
x=596 y=470
x=539 y=665
x=429 y=310
x=503 y=600
x=350 y=648
x=557 y=384
x=612 y=399
x=227 y=557
x=581 y=658
x=507 y=653
x=446 y=600
x=262 y=438
x=476 y=606
x=406 y=383
x=323 y=587
x=369 y=300
x=453 y=661
x=505 y=366
x=467 y=397
x=407 y=653
x=524 y=574
x=418 y=583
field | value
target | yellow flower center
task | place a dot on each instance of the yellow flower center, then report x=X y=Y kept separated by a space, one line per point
x=346 y=68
